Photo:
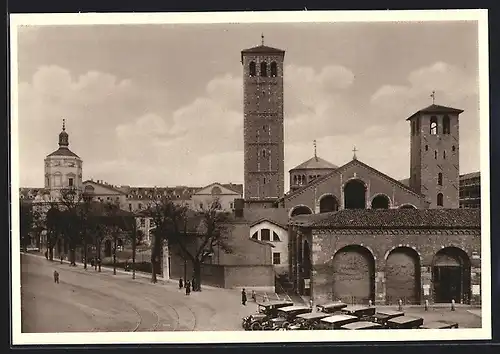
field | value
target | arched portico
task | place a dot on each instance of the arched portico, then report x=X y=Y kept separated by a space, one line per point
x=451 y=276
x=402 y=276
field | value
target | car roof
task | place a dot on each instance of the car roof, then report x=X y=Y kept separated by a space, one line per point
x=404 y=319
x=338 y=318
x=356 y=308
x=333 y=304
x=294 y=307
x=274 y=303
x=389 y=312
x=312 y=315
x=360 y=324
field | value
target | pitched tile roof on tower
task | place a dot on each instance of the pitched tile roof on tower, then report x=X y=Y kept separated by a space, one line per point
x=435 y=108
x=63 y=151
x=315 y=163
x=263 y=49
x=392 y=219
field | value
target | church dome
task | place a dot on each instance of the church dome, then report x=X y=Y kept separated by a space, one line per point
x=63 y=144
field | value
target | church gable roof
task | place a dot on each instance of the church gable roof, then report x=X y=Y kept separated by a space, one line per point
x=435 y=108
x=341 y=169
x=392 y=219
x=315 y=163
x=274 y=222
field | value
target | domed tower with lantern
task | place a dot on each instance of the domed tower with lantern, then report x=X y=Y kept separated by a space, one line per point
x=63 y=168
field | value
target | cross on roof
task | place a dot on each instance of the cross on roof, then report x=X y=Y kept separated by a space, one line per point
x=262 y=37
x=354 y=153
x=315 y=155
x=433 y=96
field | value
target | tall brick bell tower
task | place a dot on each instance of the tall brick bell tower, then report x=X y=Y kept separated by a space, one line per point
x=263 y=127
x=434 y=164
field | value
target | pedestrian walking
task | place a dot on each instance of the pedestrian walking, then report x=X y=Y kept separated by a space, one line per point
x=188 y=288
x=193 y=282
x=181 y=283
x=243 y=297
x=62 y=259
x=56 y=276
x=254 y=297
x=46 y=254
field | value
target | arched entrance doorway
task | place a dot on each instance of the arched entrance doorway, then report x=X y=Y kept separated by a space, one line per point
x=381 y=201
x=451 y=276
x=107 y=248
x=355 y=195
x=300 y=210
x=402 y=276
x=328 y=203
x=354 y=275
x=407 y=206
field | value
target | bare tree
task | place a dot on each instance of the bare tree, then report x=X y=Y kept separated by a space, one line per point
x=193 y=234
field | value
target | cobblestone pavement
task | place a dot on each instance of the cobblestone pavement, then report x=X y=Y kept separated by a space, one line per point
x=86 y=301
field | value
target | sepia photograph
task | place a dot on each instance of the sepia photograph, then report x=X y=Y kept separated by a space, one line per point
x=248 y=177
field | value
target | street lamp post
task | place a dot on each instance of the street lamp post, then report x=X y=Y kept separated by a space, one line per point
x=134 y=241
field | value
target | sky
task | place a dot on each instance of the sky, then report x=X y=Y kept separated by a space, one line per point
x=161 y=105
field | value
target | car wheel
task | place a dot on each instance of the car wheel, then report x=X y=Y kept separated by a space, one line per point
x=255 y=326
x=285 y=325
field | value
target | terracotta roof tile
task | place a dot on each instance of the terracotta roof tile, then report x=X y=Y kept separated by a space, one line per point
x=392 y=219
x=434 y=108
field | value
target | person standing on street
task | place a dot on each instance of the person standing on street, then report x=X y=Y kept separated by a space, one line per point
x=243 y=297
x=188 y=288
x=56 y=276
x=180 y=283
x=193 y=282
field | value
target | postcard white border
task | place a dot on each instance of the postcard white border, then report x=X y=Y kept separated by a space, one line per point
x=481 y=16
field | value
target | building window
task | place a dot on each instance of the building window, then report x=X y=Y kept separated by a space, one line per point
x=446 y=125
x=440 y=199
x=252 y=69
x=70 y=182
x=231 y=205
x=263 y=69
x=143 y=222
x=265 y=235
x=264 y=180
x=274 y=69
x=255 y=236
x=426 y=147
x=263 y=153
x=440 y=179
x=435 y=154
x=276 y=238
x=276 y=258
x=434 y=126
x=295 y=179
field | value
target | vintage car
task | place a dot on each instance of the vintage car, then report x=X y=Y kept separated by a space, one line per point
x=266 y=311
x=285 y=316
x=405 y=322
x=308 y=320
x=383 y=316
x=361 y=312
x=439 y=325
x=362 y=325
x=336 y=321
x=331 y=307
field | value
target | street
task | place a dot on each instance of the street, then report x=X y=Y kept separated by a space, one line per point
x=88 y=301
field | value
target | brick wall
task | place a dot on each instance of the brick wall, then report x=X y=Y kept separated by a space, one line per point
x=376 y=184
x=261 y=276
x=379 y=243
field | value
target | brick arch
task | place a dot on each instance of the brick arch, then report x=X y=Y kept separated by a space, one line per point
x=327 y=207
x=407 y=205
x=377 y=195
x=451 y=275
x=354 y=274
x=291 y=213
x=347 y=205
x=402 y=275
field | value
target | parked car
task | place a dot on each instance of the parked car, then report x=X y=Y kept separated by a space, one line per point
x=336 y=321
x=362 y=325
x=332 y=307
x=383 y=316
x=308 y=321
x=266 y=311
x=405 y=322
x=439 y=325
x=361 y=312
x=286 y=316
